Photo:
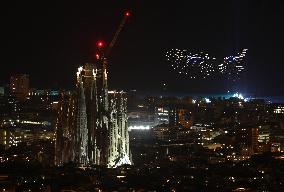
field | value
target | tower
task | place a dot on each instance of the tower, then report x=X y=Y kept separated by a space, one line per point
x=98 y=121
x=19 y=85
x=92 y=124
x=119 y=152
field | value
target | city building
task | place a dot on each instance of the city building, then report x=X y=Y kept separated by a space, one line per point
x=179 y=116
x=9 y=138
x=246 y=140
x=184 y=118
x=275 y=147
x=4 y=137
x=19 y=85
x=161 y=115
x=2 y=91
x=161 y=132
x=279 y=109
x=254 y=139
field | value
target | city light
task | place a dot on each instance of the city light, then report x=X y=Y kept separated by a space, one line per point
x=168 y=100
x=141 y=127
x=238 y=95
x=207 y=100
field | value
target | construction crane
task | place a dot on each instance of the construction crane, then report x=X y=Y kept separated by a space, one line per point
x=104 y=52
x=102 y=58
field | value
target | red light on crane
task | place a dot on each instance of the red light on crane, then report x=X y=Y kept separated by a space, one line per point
x=127 y=13
x=100 y=44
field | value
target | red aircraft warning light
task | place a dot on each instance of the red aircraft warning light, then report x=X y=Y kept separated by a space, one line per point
x=100 y=44
x=127 y=13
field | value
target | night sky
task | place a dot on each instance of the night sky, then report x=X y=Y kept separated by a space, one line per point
x=49 y=40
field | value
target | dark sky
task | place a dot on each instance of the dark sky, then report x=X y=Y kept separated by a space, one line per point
x=50 y=39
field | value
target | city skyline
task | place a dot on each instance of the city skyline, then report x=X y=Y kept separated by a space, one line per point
x=63 y=36
x=141 y=95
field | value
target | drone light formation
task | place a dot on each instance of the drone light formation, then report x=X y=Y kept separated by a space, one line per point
x=192 y=65
x=202 y=66
x=232 y=66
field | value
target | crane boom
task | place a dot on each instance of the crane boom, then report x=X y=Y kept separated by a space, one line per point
x=114 y=39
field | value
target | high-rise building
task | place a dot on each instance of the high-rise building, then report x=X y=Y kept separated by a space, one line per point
x=2 y=91
x=254 y=139
x=19 y=85
x=179 y=116
x=92 y=123
x=184 y=118
x=4 y=138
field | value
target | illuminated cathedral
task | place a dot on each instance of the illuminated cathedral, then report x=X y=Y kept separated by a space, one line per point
x=91 y=127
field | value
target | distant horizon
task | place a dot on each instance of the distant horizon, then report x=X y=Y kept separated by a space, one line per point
x=176 y=93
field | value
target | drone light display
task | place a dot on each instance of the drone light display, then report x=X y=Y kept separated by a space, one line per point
x=202 y=65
